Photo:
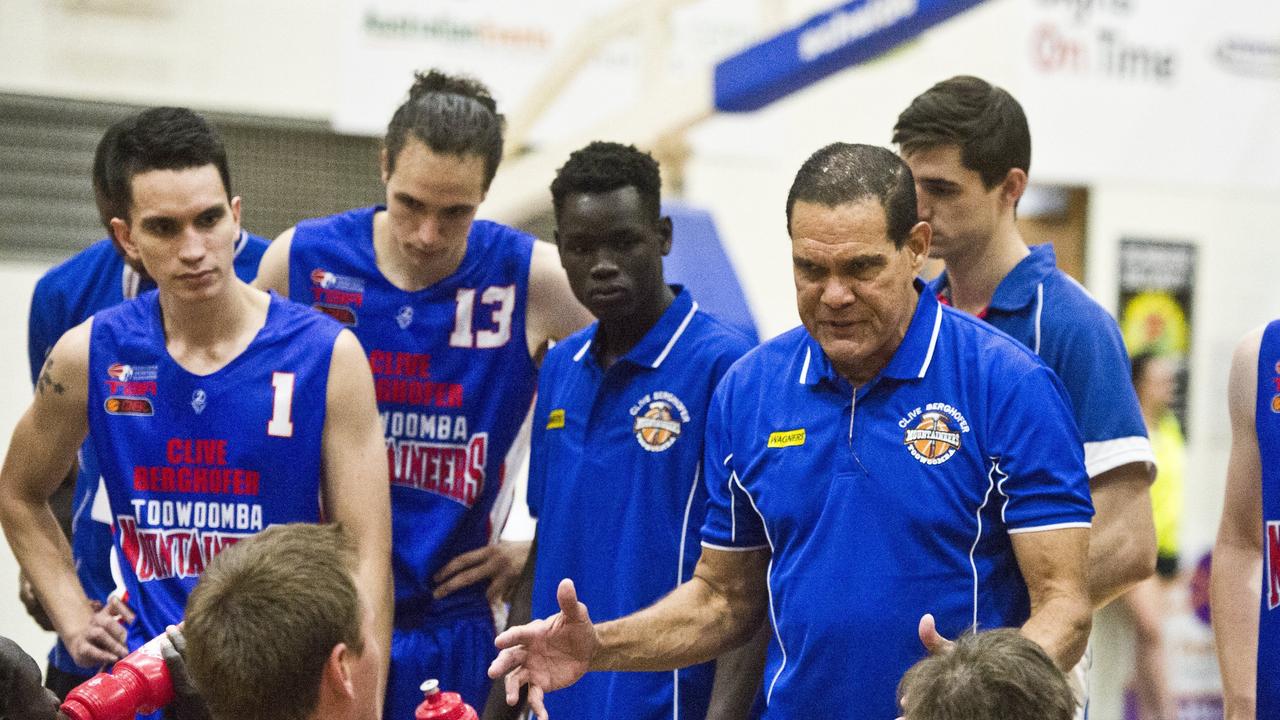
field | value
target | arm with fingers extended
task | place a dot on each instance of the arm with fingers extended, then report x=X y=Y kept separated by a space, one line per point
x=718 y=609
x=1236 y=583
x=42 y=450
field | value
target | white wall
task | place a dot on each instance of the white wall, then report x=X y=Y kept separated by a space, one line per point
x=17 y=280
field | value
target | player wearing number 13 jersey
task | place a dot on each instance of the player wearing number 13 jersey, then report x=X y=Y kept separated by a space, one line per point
x=215 y=409
x=452 y=312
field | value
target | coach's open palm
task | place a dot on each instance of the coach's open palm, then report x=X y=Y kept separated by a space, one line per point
x=547 y=654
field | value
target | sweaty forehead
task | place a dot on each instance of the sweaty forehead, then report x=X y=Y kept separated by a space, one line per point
x=858 y=226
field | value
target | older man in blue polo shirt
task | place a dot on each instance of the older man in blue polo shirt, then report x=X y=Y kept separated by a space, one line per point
x=891 y=465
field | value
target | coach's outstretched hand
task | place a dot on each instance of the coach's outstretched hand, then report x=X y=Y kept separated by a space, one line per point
x=547 y=654
x=931 y=638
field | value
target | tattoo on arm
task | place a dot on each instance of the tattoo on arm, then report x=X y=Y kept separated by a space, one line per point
x=46 y=381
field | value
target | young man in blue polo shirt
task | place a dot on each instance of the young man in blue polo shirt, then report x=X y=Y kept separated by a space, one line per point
x=95 y=279
x=968 y=146
x=892 y=465
x=615 y=467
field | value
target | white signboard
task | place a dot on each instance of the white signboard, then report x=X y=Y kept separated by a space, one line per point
x=1153 y=90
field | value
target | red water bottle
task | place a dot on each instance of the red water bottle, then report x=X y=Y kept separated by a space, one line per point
x=138 y=683
x=442 y=705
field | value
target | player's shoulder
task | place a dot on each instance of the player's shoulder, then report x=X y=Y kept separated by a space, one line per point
x=567 y=349
x=297 y=317
x=1070 y=306
x=981 y=345
x=709 y=335
x=73 y=272
x=778 y=359
x=254 y=246
x=490 y=239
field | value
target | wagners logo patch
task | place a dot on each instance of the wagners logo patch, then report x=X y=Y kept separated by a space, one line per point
x=932 y=434
x=786 y=438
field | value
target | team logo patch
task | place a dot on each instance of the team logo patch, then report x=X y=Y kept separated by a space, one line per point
x=1275 y=403
x=404 y=317
x=786 y=438
x=332 y=281
x=932 y=434
x=122 y=372
x=116 y=405
x=199 y=400
x=555 y=420
x=659 y=417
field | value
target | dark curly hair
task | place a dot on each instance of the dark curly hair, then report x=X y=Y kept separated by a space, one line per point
x=450 y=114
x=606 y=166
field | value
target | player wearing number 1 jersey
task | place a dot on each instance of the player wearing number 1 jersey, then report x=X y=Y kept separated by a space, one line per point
x=452 y=312
x=215 y=409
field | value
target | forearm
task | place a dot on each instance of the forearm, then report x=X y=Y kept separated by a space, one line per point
x=738 y=674
x=45 y=557
x=693 y=624
x=1122 y=542
x=1061 y=626
x=1234 y=600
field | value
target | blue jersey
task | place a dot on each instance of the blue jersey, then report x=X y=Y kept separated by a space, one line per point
x=615 y=482
x=887 y=503
x=194 y=463
x=1046 y=310
x=1267 y=423
x=454 y=382
x=94 y=279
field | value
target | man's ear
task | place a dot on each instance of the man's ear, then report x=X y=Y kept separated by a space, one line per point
x=918 y=241
x=1013 y=186
x=235 y=209
x=664 y=227
x=337 y=673
x=123 y=236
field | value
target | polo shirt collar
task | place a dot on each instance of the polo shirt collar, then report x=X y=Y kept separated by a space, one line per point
x=661 y=339
x=910 y=361
x=1018 y=289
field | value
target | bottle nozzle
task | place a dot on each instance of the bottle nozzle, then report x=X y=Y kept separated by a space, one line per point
x=430 y=687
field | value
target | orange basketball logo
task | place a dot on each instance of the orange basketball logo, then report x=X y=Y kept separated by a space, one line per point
x=932 y=441
x=659 y=418
x=1275 y=403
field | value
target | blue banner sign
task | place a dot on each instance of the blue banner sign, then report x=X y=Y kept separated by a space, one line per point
x=824 y=44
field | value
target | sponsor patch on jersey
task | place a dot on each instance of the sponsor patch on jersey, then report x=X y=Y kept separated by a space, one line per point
x=124 y=372
x=932 y=434
x=1275 y=403
x=332 y=281
x=341 y=313
x=658 y=418
x=118 y=405
x=555 y=420
x=787 y=438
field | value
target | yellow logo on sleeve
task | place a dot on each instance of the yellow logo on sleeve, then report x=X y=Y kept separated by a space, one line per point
x=786 y=438
x=555 y=420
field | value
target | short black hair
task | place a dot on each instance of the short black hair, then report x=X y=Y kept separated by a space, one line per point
x=846 y=172
x=450 y=114
x=984 y=120
x=163 y=138
x=602 y=167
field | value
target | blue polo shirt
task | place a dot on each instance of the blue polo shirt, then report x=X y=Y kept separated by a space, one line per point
x=1049 y=312
x=885 y=503
x=615 y=482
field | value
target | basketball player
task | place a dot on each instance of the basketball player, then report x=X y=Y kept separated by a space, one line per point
x=215 y=409
x=889 y=463
x=452 y=311
x=94 y=279
x=1246 y=622
x=615 y=471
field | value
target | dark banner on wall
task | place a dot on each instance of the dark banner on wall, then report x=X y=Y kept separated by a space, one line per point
x=1157 y=284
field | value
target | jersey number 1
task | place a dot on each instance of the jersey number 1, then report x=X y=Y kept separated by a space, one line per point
x=504 y=297
x=281 y=424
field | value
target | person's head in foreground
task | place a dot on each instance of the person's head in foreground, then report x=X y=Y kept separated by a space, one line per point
x=994 y=675
x=277 y=631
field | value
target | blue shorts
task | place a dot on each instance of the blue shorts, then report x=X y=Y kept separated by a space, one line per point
x=456 y=652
